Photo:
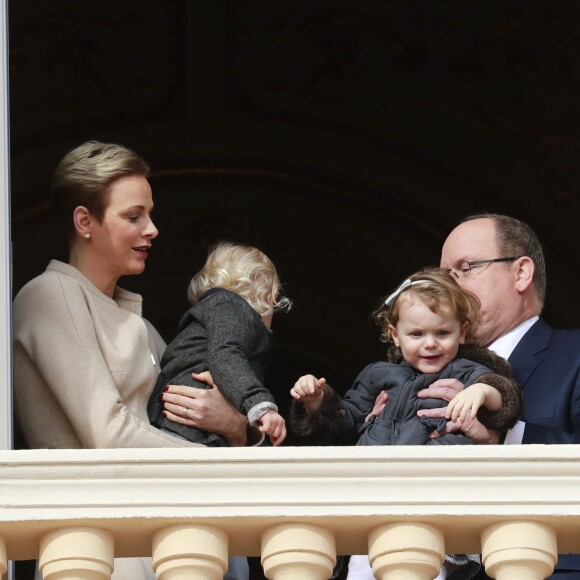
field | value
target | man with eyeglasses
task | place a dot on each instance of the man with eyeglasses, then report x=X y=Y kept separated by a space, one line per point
x=501 y=261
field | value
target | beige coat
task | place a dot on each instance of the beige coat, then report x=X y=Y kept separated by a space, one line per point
x=83 y=365
x=83 y=372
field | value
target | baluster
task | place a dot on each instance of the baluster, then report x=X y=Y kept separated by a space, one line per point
x=523 y=550
x=298 y=552
x=192 y=552
x=406 y=551
x=79 y=553
x=3 y=557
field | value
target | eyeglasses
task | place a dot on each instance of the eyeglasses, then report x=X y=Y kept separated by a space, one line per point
x=465 y=268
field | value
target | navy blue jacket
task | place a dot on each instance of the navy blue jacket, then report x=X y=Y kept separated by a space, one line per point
x=546 y=363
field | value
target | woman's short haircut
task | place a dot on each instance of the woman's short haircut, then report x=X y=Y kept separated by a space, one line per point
x=439 y=291
x=84 y=175
x=244 y=270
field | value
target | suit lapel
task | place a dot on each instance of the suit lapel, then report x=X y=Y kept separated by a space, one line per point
x=529 y=352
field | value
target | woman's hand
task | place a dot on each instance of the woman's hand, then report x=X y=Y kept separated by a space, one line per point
x=206 y=409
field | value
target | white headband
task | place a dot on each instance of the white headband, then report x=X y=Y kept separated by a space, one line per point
x=406 y=284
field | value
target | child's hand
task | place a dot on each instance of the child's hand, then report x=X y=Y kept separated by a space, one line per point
x=273 y=425
x=309 y=388
x=467 y=403
x=310 y=391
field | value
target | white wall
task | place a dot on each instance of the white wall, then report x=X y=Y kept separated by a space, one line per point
x=5 y=245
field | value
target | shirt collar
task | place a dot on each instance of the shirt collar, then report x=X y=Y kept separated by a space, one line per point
x=505 y=345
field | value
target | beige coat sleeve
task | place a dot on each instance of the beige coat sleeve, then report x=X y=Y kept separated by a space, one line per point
x=82 y=369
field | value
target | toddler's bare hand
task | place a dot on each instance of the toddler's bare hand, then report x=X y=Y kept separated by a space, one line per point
x=308 y=388
x=273 y=425
x=466 y=404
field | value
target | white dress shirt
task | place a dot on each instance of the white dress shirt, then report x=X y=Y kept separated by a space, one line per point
x=504 y=346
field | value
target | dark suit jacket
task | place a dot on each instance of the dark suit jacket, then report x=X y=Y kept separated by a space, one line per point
x=546 y=363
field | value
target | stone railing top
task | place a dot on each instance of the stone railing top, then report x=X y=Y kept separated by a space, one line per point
x=244 y=490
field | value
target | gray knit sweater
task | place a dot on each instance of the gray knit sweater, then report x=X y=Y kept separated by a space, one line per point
x=222 y=334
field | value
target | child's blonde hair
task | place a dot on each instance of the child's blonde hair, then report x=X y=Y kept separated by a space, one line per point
x=438 y=290
x=244 y=270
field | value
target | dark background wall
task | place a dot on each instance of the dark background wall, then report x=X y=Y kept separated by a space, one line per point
x=344 y=138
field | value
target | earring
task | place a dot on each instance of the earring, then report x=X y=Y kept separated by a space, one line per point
x=87 y=236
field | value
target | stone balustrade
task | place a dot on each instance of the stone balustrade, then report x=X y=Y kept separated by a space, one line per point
x=297 y=507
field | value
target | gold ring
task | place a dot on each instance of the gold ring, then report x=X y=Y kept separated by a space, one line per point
x=185 y=412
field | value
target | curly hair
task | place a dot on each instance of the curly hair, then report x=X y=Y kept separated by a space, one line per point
x=439 y=291
x=244 y=270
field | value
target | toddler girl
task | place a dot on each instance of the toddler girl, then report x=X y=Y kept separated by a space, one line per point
x=428 y=323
